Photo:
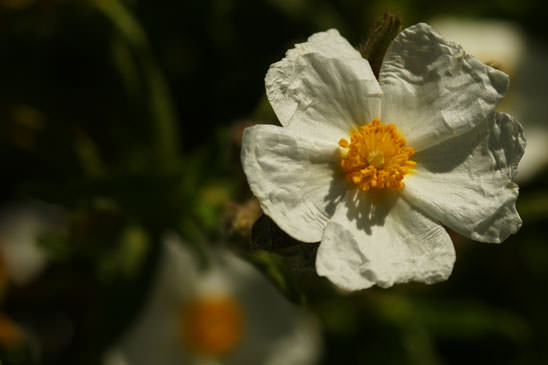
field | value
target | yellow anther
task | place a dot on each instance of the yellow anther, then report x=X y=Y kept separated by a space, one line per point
x=343 y=143
x=376 y=157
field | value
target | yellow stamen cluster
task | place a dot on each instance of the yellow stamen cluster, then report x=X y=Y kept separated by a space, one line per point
x=212 y=326
x=376 y=157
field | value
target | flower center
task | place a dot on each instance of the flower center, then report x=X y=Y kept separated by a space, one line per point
x=212 y=326
x=376 y=157
x=10 y=334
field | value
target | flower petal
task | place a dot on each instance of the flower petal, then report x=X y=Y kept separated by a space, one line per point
x=433 y=90
x=294 y=178
x=21 y=225
x=381 y=239
x=272 y=323
x=269 y=319
x=467 y=182
x=300 y=346
x=535 y=157
x=157 y=326
x=323 y=86
x=501 y=41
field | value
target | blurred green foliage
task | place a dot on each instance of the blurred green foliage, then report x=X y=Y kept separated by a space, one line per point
x=128 y=114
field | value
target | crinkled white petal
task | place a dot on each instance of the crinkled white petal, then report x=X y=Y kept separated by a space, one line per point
x=324 y=87
x=378 y=238
x=433 y=90
x=503 y=44
x=468 y=182
x=281 y=74
x=296 y=179
x=493 y=41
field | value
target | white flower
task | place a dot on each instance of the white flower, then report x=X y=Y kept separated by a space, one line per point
x=226 y=313
x=503 y=44
x=21 y=224
x=377 y=214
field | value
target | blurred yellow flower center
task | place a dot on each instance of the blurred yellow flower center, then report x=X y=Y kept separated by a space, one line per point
x=212 y=326
x=376 y=157
x=10 y=334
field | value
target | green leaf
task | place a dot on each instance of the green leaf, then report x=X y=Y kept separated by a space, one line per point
x=266 y=235
x=279 y=274
x=287 y=262
x=134 y=58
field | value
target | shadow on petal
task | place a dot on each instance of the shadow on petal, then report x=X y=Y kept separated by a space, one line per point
x=366 y=209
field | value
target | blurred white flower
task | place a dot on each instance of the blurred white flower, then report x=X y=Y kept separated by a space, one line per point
x=21 y=224
x=226 y=313
x=504 y=45
x=376 y=195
